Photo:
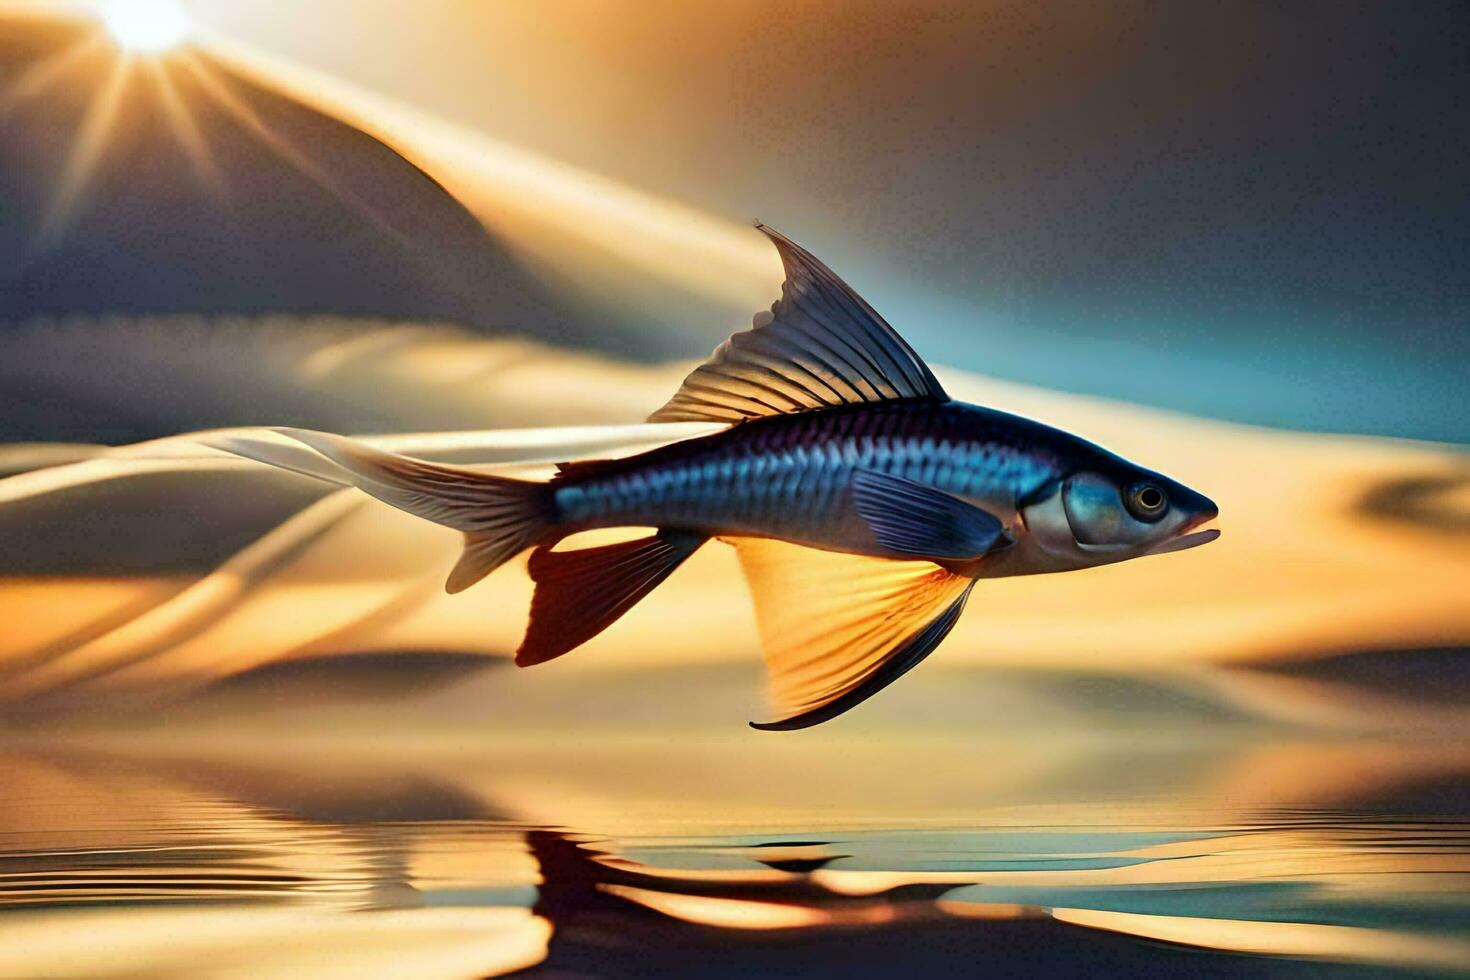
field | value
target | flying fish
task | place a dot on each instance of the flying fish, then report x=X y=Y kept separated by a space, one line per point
x=863 y=501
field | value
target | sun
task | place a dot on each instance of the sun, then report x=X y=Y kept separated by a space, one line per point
x=146 y=26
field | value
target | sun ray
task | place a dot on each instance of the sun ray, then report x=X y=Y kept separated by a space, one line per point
x=218 y=87
x=48 y=71
x=86 y=150
x=555 y=216
x=186 y=129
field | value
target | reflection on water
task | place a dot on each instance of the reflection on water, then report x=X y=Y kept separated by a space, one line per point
x=459 y=863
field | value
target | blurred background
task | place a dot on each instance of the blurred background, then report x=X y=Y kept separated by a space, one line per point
x=1248 y=212
x=1230 y=241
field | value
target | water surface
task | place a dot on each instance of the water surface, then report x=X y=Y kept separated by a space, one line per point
x=639 y=856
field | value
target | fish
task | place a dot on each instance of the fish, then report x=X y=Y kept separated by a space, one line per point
x=863 y=502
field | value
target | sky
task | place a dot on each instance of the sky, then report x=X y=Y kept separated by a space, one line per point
x=1244 y=211
x=1248 y=210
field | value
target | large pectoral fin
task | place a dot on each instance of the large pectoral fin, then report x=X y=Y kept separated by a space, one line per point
x=837 y=629
x=917 y=521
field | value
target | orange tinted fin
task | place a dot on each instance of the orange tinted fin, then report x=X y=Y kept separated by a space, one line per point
x=819 y=346
x=837 y=629
x=582 y=592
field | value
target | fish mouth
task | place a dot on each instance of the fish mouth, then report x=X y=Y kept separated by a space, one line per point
x=1188 y=537
x=1186 y=541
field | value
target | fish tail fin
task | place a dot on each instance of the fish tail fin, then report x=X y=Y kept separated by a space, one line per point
x=500 y=517
x=582 y=592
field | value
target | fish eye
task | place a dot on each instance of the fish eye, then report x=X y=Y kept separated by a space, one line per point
x=1147 y=501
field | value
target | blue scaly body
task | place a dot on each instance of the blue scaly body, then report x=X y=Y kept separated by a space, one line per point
x=789 y=477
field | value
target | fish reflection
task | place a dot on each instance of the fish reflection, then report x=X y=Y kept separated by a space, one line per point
x=302 y=866
x=595 y=900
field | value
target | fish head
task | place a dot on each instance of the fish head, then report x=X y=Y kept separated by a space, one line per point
x=1114 y=512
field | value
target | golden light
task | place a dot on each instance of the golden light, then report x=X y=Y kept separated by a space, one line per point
x=146 y=26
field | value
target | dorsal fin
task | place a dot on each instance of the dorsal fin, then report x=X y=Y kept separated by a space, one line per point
x=837 y=628
x=819 y=346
